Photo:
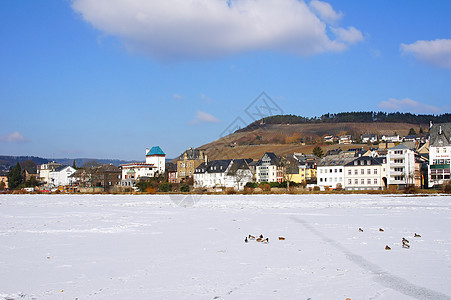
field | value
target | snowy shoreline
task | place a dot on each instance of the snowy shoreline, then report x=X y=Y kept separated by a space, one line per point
x=192 y=246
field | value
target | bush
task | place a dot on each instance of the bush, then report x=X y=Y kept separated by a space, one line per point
x=165 y=187
x=316 y=188
x=447 y=187
x=274 y=184
x=252 y=185
x=230 y=191
x=184 y=188
x=265 y=187
x=339 y=187
x=410 y=189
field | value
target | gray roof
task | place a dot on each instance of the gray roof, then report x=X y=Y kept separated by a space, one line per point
x=399 y=147
x=440 y=135
x=365 y=161
x=274 y=159
x=214 y=166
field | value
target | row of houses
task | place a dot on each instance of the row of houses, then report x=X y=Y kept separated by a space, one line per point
x=373 y=138
x=421 y=164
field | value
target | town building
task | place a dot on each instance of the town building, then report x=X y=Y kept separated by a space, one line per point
x=269 y=168
x=330 y=171
x=61 y=176
x=229 y=173
x=43 y=171
x=188 y=162
x=368 y=138
x=439 y=154
x=400 y=166
x=156 y=157
x=365 y=173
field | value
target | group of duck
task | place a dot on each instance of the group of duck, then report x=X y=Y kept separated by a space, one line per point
x=260 y=239
x=405 y=242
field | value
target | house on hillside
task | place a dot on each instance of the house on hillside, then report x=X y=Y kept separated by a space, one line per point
x=439 y=154
x=345 y=140
x=228 y=173
x=368 y=138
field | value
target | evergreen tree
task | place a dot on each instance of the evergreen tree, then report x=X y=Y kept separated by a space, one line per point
x=74 y=165
x=318 y=152
x=412 y=131
x=15 y=177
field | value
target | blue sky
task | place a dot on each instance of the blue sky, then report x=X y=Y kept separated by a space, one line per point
x=106 y=79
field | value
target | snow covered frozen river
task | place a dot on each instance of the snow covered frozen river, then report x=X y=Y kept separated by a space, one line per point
x=172 y=247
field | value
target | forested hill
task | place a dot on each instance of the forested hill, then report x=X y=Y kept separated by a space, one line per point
x=353 y=117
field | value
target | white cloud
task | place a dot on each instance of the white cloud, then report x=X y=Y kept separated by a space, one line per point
x=325 y=11
x=203 y=117
x=186 y=29
x=15 y=137
x=437 y=52
x=409 y=105
x=349 y=35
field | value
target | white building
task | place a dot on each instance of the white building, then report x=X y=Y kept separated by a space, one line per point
x=132 y=172
x=366 y=173
x=371 y=138
x=156 y=157
x=269 y=169
x=44 y=171
x=400 y=166
x=61 y=176
x=155 y=165
x=223 y=174
x=330 y=171
x=391 y=138
x=439 y=154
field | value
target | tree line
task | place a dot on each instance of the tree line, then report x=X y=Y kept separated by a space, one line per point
x=357 y=117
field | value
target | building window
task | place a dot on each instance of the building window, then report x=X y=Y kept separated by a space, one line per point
x=362 y=181
x=375 y=181
x=349 y=172
x=375 y=171
x=356 y=181
x=356 y=172
x=368 y=171
x=368 y=181
x=349 y=181
x=362 y=172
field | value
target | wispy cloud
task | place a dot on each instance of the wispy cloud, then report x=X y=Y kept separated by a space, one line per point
x=14 y=137
x=409 y=105
x=203 y=117
x=177 y=96
x=436 y=52
x=205 y=29
x=325 y=11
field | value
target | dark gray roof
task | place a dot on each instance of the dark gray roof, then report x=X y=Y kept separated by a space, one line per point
x=440 y=135
x=238 y=164
x=365 y=161
x=191 y=154
x=274 y=160
x=399 y=147
x=214 y=166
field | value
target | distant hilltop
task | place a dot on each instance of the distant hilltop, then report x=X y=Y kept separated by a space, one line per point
x=352 y=117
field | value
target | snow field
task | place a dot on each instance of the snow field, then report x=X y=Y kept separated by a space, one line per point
x=149 y=247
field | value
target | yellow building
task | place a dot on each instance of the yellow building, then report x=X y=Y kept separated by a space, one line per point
x=188 y=162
